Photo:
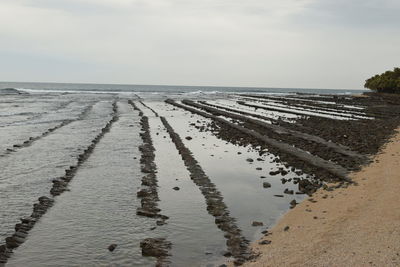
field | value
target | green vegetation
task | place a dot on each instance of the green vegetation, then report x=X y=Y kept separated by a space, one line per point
x=387 y=82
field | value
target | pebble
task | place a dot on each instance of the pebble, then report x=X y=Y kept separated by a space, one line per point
x=255 y=223
x=266 y=185
x=112 y=247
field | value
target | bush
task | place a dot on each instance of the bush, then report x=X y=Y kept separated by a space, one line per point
x=387 y=82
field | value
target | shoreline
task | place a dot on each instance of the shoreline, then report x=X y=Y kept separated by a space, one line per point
x=358 y=225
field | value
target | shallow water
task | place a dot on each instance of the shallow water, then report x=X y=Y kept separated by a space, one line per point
x=27 y=173
x=232 y=173
x=99 y=210
x=190 y=228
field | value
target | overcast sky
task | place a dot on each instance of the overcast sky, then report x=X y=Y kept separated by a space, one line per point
x=266 y=43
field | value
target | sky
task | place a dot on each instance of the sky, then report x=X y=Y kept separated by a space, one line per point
x=261 y=43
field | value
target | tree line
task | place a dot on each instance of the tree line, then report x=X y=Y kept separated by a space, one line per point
x=387 y=82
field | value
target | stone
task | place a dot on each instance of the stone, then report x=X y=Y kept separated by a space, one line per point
x=273 y=173
x=255 y=223
x=155 y=247
x=160 y=222
x=293 y=203
x=11 y=242
x=289 y=192
x=112 y=247
x=265 y=242
x=176 y=188
x=266 y=185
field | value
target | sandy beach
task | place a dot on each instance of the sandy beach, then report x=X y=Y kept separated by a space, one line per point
x=354 y=226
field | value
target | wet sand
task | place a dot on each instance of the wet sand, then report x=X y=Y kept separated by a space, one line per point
x=354 y=226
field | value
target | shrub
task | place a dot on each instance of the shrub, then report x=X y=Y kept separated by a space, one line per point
x=387 y=82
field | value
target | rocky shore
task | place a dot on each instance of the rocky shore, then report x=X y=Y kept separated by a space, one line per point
x=329 y=150
x=249 y=157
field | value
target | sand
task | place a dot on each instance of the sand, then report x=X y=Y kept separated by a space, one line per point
x=354 y=226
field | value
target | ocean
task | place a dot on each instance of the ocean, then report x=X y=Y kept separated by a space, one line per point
x=174 y=89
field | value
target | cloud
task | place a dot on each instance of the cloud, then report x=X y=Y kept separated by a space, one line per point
x=360 y=14
x=286 y=43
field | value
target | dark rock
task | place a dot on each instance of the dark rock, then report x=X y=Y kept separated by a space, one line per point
x=176 y=188
x=11 y=242
x=286 y=228
x=227 y=254
x=143 y=193
x=112 y=247
x=21 y=234
x=278 y=195
x=293 y=203
x=266 y=185
x=249 y=160
x=188 y=138
x=155 y=247
x=265 y=242
x=258 y=168
x=273 y=173
x=255 y=223
x=146 y=213
x=160 y=222
x=287 y=191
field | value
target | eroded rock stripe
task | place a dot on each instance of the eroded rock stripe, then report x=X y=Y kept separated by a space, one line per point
x=44 y=203
x=282 y=109
x=344 y=114
x=148 y=194
x=152 y=110
x=31 y=140
x=236 y=243
x=279 y=129
x=302 y=102
x=337 y=103
x=337 y=171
